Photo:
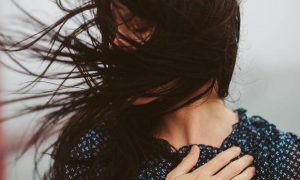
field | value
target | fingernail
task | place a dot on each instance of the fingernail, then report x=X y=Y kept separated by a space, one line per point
x=253 y=169
x=250 y=157
x=193 y=149
x=237 y=149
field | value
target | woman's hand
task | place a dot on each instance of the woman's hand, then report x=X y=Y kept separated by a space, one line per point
x=232 y=170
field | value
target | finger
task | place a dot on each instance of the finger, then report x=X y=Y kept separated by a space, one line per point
x=187 y=163
x=218 y=162
x=235 y=167
x=246 y=175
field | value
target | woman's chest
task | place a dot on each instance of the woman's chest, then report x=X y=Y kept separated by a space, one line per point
x=267 y=166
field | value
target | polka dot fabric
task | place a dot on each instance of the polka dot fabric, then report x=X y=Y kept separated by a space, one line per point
x=276 y=153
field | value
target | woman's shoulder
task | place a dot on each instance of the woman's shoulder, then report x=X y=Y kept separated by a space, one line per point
x=277 y=152
x=85 y=152
x=263 y=129
x=267 y=132
x=90 y=143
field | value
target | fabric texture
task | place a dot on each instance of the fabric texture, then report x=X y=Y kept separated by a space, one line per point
x=276 y=153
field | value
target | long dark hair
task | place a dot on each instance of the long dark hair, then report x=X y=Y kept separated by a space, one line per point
x=195 y=42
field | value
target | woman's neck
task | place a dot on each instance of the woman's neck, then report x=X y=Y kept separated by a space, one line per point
x=203 y=122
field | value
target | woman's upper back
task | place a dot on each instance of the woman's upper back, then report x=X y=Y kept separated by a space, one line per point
x=276 y=153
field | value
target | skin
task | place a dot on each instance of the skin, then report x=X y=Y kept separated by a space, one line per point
x=206 y=121
x=236 y=170
x=137 y=29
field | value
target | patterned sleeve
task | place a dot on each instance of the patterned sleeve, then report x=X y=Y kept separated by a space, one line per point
x=84 y=152
x=288 y=155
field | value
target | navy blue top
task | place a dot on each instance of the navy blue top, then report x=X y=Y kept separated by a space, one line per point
x=276 y=153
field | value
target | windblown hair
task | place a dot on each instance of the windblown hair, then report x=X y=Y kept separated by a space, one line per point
x=195 y=42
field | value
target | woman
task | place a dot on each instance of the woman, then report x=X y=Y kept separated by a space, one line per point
x=153 y=78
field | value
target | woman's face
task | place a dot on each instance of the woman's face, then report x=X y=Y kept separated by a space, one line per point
x=145 y=100
x=139 y=30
